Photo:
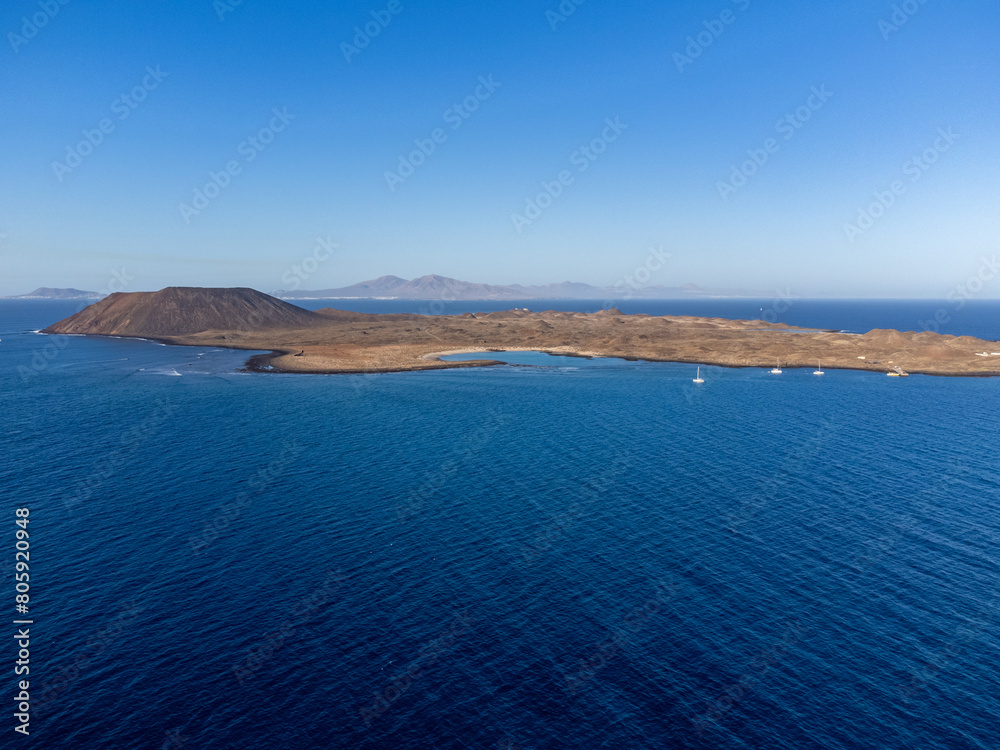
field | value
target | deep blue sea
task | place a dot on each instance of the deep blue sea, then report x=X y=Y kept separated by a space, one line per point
x=559 y=553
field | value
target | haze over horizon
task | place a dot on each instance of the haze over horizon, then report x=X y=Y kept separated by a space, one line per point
x=838 y=150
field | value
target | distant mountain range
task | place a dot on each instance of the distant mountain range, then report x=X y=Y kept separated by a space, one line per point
x=434 y=287
x=441 y=287
x=44 y=292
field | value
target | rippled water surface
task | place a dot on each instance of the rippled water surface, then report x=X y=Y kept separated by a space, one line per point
x=582 y=554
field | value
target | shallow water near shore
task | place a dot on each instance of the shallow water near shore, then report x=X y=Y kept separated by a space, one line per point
x=573 y=553
x=535 y=359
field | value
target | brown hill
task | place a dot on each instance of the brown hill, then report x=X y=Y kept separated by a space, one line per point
x=182 y=311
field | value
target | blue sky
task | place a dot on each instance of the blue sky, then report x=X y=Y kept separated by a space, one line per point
x=882 y=184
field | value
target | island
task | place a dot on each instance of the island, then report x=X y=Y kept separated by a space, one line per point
x=338 y=341
x=45 y=292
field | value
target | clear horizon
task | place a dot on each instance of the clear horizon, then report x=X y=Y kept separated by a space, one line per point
x=958 y=300
x=844 y=151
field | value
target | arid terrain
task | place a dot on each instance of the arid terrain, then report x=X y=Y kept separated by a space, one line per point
x=335 y=341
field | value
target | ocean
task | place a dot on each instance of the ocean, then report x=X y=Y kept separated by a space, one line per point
x=555 y=553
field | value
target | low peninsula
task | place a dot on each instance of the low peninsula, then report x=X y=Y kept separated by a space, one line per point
x=337 y=341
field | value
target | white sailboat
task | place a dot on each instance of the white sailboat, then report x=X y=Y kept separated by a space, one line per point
x=777 y=368
x=819 y=371
x=698 y=378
